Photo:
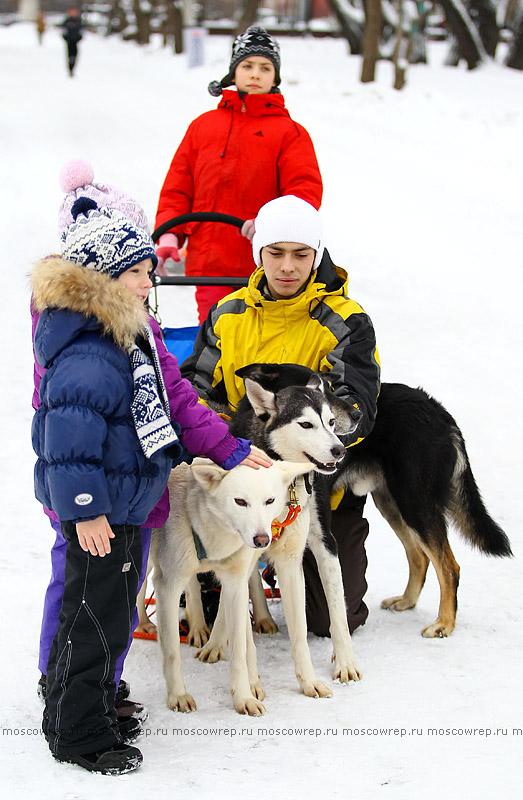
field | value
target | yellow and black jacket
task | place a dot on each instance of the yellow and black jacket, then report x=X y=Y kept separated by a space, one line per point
x=321 y=328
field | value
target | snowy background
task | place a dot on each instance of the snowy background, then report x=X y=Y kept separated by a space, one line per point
x=422 y=204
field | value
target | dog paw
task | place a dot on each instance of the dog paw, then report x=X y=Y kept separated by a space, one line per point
x=198 y=637
x=257 y=690
x=266 y=625
x=438 y=630
x=182 y=702
x=250 y=706
x=347 y=673
x=147 y=627
x=315 y=688
x=211 y=654
x=400 y=603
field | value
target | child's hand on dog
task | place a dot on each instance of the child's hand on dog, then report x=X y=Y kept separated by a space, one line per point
x=256 y=459
x=94 y=535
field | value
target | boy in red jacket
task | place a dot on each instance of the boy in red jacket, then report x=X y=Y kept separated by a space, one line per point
x=234 y=160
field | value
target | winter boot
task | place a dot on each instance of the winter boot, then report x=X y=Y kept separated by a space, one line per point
x=124 y=690
x=125 y=707
x=41 y=687
x=130 y=729
x=115 y=760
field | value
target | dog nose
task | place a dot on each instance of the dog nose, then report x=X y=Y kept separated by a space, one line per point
x=338 y=451
x=261 y=540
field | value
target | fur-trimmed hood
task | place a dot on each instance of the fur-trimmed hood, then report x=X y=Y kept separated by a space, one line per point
x=60 y=284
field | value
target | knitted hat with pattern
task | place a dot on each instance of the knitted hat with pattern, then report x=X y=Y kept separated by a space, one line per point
x=105 y=239
x=77 y=180
x=254 y=42
x=288 y=219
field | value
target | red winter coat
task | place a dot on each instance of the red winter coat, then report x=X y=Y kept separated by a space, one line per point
x=233 y=160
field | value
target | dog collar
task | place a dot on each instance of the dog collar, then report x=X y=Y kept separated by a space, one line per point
x=277 y=528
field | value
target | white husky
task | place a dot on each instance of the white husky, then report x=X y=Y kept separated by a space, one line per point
x=219 y=521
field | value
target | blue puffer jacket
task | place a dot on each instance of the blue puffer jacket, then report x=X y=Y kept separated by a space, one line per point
x=90 y=461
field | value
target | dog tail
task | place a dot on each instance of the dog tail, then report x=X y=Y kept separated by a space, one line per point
x=468 y=511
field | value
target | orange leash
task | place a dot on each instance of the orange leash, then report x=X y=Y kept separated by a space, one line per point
x=277 y=528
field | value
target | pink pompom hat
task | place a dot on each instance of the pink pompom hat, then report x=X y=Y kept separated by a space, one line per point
x=77 y=180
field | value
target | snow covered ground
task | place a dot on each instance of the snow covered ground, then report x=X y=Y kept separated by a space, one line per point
x=423 y=205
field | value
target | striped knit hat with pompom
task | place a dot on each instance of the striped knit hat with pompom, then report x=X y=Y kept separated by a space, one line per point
x=104 y=239
x=254 y=42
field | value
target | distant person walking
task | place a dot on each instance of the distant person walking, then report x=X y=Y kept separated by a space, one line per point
x=72 y=34
x=40 y=26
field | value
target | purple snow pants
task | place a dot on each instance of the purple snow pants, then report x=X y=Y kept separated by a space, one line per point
x=55 y=590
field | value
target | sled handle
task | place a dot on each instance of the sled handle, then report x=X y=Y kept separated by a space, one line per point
x=196 y=216
x=198 y=280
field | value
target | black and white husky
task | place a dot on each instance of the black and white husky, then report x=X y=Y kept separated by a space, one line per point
x=316 y=425
x=413 y=463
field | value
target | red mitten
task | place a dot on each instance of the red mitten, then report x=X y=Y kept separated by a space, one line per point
x=167 y=248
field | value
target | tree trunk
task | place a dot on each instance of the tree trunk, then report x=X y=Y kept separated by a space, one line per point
x=400 y=55
x=248 y=16
x=143 y=23
x=514 y=57
x=467 y=36
x=172 y=27
x=487 y=24
x=178 y=28
x=511 y=14
x=351 y=26
x=418 y=37
x=117 y=19
x=371 y=39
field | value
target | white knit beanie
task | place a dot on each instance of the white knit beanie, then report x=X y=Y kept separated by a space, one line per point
x=288 y=219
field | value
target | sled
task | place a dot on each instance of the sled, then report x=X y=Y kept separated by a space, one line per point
x=150 y=601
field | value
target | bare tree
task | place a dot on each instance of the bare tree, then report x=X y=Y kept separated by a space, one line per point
x=116 y=18
x=248 y=16
x=485 y=17
x=172 y=26
x=511 y=13
x=402 y=50
x=514 y=57
x=482 y=15
x=371 y=39
x=467 y=37
x=351 y=22
x=142 y=13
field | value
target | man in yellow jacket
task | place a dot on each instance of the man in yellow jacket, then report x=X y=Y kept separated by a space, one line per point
x=296 y=310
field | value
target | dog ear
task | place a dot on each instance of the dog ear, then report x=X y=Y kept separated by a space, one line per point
x=266 y=374
x=346 y=415
x=208 y=475
x=262 y=400
x=291 y=469
x=275 y=377
x=316 y=382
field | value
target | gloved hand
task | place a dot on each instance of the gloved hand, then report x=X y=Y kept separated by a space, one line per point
x=167 y=248
x=248 y=229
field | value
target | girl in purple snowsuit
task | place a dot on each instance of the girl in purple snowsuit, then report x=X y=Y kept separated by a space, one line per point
x=200 y=431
